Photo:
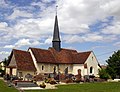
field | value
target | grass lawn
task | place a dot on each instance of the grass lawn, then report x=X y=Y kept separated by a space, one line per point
x=87 y=87
x=4 y=87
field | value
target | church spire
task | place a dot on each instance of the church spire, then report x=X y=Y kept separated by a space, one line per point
x=56 y=37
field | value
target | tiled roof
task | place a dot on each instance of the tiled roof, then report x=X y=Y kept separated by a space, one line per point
x=82 y=57
x=23 y=60
x=65 y=56
x=43 y=56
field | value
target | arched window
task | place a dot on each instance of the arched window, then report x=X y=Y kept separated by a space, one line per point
x=54 y=69
x=91 y=69
x=92 y=58
x=42 y=67
x=66 y=70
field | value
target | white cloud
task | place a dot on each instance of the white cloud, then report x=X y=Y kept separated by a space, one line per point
x=75 y=18
x=93 y=37
x=70 y=47
x=90 y=37
x=110 y=38
x=40 y=4
x=117 y=44
x=47 y=1
x=48 y=40
x=3 y=25
x=22 y=42
x=4 y=53
x=34 y=43
x=97 y=47
x=9 y=46
x=3 y=3
x=72 y=39
x=111 y=7
x=112 y=29
x=19 y=13
x=33 y=28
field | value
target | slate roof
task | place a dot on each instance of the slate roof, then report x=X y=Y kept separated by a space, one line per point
x=56 y=36
x=23 y=60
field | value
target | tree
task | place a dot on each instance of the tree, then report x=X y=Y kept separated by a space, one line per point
x=113 y=67
x=103 y=74
x=5 y=62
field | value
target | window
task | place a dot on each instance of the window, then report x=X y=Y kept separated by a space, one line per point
x=54 y=68
x=66 y=70
x=42 y=67
x=20 y=74
x=91 y=69
x=92 y=58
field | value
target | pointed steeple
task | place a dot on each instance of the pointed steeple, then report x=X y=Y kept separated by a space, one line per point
x=56 y=37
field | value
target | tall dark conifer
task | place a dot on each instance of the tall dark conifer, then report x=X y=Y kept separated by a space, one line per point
x=113 y=67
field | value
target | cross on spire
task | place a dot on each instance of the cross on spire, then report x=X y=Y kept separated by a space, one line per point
x=56 y=9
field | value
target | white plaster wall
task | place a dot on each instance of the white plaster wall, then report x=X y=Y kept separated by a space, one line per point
x=49 y=68
x=14 y=71
x=2 y=66
x=7 y=70
x=64 y=66
x=12 y=62
x=35 y=62
x=76 y=67
x=92 y=62
x=25 y=73
x=85 y=71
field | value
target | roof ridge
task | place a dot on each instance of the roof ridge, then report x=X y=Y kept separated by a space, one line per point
x=85 y=52
x=37 y=48
x=19 y=50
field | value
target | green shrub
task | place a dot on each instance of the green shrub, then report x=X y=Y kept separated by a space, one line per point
x=103 y=74
x=2 y=72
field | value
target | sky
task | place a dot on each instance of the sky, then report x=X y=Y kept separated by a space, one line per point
x=84 y=25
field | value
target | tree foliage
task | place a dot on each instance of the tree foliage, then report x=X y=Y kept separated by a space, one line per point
x=113 y=67
x=5 y=61
x=103 y=74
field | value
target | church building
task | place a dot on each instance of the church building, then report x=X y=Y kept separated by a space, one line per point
x=54 y=59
